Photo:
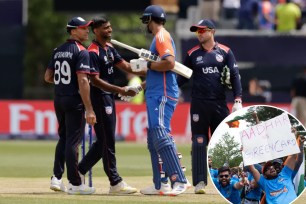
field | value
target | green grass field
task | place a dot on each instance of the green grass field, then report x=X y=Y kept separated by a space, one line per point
x=26 y=167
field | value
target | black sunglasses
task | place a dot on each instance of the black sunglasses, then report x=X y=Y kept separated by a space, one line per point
x=224 y=176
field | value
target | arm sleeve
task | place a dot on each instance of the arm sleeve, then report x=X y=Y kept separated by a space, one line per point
x=234 y=73
x=164 y=45
x=82 y=64
x=94 y=63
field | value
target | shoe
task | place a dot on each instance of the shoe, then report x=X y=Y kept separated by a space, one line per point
x=188 y=184
x=57 y=184
x=122 y=188
x=80 y=190
x=200 y=188
x=165 y=188
x=177 y=189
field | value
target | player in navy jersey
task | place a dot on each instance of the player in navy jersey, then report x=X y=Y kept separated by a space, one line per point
x=208 y=60
x=103 y=59
x=68 y=70
x=161 y=98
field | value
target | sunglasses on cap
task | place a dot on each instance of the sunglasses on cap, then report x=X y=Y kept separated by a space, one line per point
x=224 y=176
x=202 y=30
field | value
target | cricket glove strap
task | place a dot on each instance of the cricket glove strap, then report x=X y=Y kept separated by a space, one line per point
x=136 y=88
x=125 y=98
x=138 y=65
x=237 y=105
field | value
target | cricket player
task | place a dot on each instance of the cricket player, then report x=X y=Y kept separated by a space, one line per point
x=68 y=70
x=214 y=68
x=103 y=59
x=161 y=95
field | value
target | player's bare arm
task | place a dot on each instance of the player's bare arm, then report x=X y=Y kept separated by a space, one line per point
x=101 y=84
x=49 y=76
x=125 y=66
x=84 y=92
x=165 y=64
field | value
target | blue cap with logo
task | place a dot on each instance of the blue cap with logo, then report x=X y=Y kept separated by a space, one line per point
x=153 y=11
x=78 y=22
x=204 y=23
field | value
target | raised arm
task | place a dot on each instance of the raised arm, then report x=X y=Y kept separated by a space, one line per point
x=254 y=172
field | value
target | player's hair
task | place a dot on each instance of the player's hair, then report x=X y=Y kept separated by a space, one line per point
x=97 y=22
x=159 y=21
x=69 y=29
x=224 y=168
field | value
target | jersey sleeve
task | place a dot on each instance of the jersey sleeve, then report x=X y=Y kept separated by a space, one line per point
x=117 y=57
x=234 y=73
x=82 y=64
x=164 y=45
x=94 y=63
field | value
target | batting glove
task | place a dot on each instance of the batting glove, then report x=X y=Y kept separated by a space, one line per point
x=136 y=88
x=125 y=98
x=226 y=77
x=237 y=105
x=139 y=65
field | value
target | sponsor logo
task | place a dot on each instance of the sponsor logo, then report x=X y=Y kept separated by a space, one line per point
x=219 y=58
x=84 y=66
x=276 y=193
x=210 y=70
x=162 y=15
x=167 y=50
x=108 y=110
x=235 y=65
x=200 y=140
x=174 y=177
x=195 y=117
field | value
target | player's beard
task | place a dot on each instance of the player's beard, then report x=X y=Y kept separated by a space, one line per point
x=148 y=29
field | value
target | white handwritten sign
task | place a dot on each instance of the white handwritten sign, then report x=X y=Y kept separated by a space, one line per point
x=268 y=140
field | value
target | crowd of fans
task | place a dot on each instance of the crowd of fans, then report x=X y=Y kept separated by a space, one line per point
x=279 y=15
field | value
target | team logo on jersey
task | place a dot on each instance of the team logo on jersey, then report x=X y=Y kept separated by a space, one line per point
x=108 y=110
x=105 y=58
x=219 y=58
x=235 y=65
x=195 y=117
x=199 y=59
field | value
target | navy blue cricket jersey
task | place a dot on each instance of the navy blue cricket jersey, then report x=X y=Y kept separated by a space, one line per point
x=68 y=60
x=102 y=61
x=207 y=67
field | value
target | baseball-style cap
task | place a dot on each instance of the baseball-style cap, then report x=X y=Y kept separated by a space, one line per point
x=204 y=23
x=279 y=161
x=267 y=164
x=78 y=22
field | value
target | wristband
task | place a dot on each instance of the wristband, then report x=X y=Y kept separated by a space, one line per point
x=149 y=64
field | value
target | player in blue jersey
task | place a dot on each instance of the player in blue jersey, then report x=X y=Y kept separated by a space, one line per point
x=104 y=58
x=208 y=60
x=278 y=187
x=228 y=187
x=68 y=70
x=161 y=95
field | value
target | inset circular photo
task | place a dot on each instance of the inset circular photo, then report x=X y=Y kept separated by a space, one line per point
x=257 y=155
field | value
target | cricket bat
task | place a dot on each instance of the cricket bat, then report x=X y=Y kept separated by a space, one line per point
x=147 y=55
